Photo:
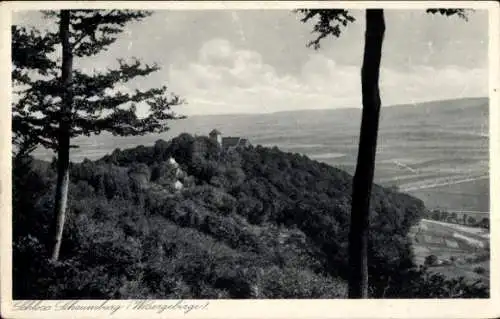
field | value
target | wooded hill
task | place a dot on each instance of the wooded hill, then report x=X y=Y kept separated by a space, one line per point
x=254 y=222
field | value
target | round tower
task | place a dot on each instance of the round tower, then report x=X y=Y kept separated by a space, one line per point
x=216 y=136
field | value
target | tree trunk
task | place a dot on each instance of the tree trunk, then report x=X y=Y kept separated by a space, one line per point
x=61 y=196
x=365 y=167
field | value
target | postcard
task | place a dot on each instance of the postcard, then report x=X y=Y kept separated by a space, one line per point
x=250 y=159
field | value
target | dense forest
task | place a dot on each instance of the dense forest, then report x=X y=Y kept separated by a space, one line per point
x=252 y=222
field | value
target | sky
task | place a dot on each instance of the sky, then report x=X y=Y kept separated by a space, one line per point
x=256 y=61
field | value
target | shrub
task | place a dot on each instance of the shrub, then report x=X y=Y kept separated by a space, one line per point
x=296 y=283
x=431 y=260
x=479 y=270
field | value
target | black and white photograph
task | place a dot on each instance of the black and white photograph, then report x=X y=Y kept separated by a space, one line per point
x=200 y=152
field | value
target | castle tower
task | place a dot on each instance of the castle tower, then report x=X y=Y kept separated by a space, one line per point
x=216 y=136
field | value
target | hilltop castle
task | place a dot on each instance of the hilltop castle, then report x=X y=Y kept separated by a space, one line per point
x=228 y=142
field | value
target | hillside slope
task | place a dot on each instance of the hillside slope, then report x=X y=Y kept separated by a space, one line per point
x=252 y=223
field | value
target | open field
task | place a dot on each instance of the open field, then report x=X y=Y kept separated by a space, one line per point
x=473 y=196
x=459 y=249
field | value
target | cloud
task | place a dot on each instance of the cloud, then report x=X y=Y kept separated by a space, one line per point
x=280 y=73
x=215 y=51
x=226 y=79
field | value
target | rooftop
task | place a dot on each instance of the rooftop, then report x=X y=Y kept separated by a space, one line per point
x=214 y=132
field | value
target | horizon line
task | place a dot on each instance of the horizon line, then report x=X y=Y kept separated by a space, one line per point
x=336 y=109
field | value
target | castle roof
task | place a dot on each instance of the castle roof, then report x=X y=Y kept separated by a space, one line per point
x=214 y=132
x=228 y=142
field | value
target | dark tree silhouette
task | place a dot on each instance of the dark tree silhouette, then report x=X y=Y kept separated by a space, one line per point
x=330 y=22
x=30 y=55
x=61 y=102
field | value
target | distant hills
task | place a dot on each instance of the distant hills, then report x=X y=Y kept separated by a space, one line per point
x=475 y=107
x=305 y=126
